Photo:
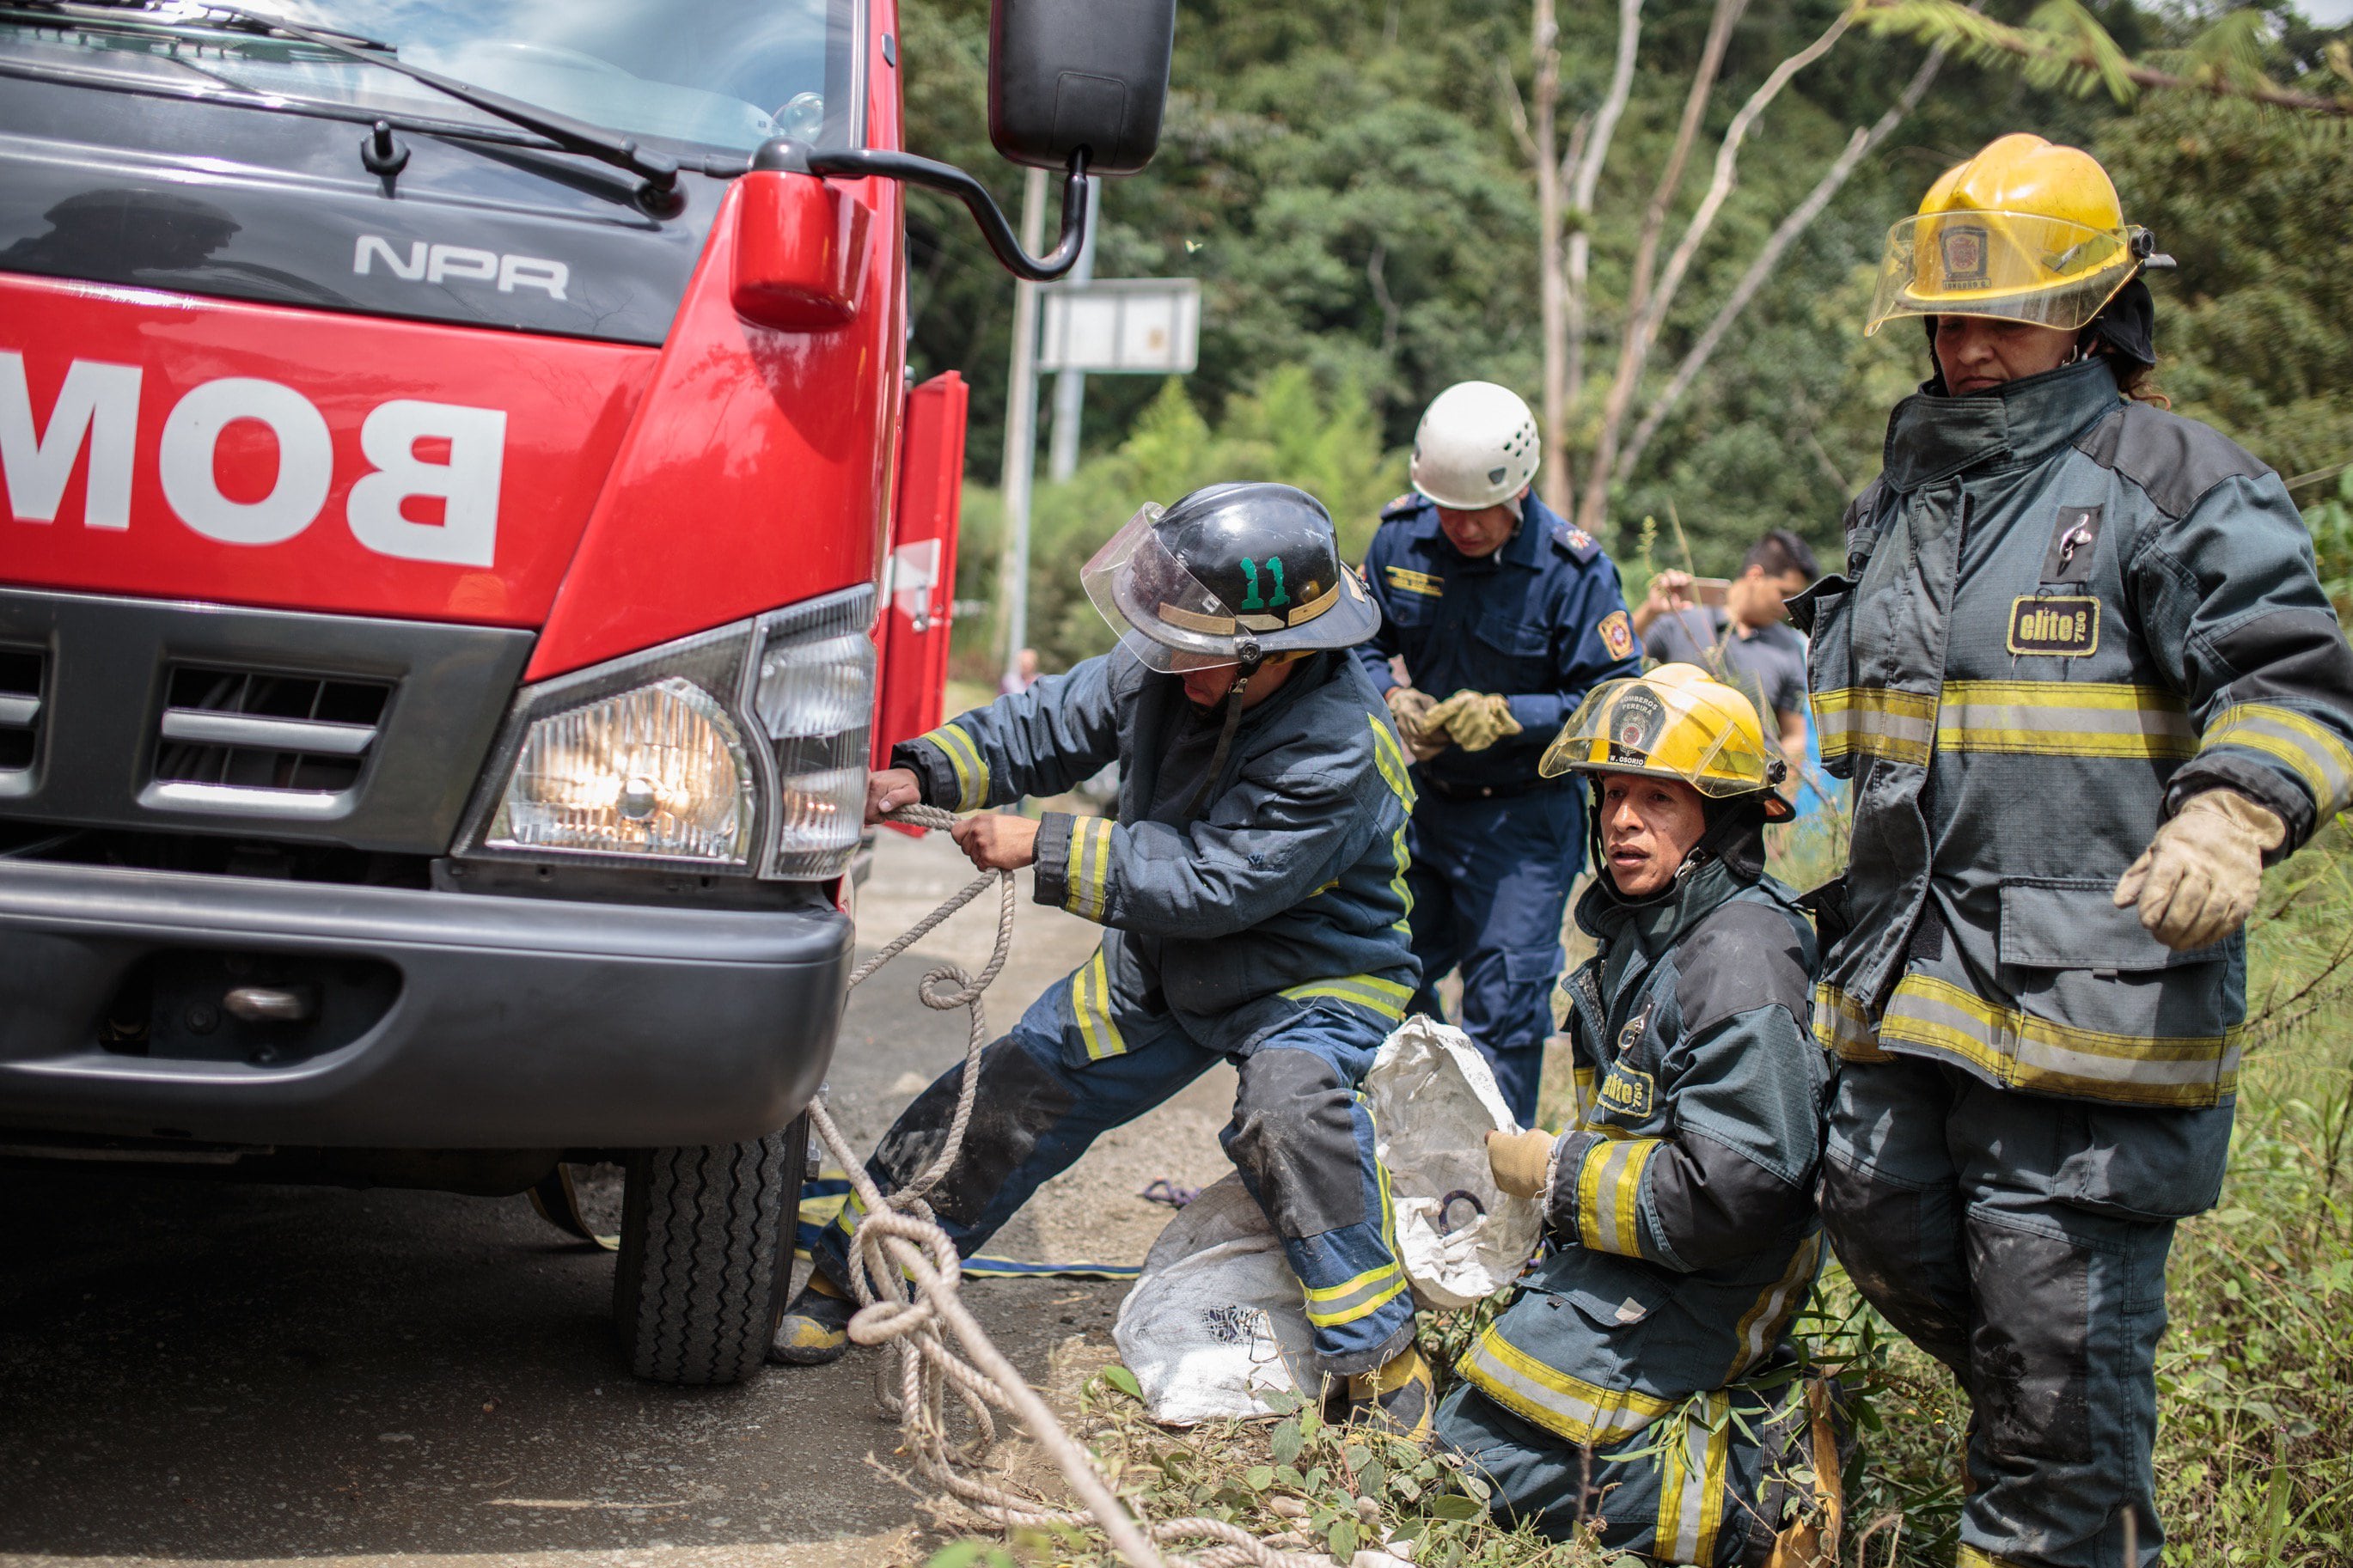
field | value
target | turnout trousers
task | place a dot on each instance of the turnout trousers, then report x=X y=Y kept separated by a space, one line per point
x=1299 y=1136
x=2021 y=1239
x=1490 y=880
x=1697 y=1486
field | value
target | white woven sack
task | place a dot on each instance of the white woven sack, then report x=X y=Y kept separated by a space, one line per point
x=1216 y=1321
x=1433 y=1099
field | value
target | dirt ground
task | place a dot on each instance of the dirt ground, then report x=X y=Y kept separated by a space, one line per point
x=214 y=1374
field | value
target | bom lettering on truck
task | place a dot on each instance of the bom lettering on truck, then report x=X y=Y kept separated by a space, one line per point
x=413 y=450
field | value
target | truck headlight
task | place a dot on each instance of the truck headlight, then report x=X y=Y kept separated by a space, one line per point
x=742 y=751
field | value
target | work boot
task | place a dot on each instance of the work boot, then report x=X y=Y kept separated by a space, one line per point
x=815 y=1330
x=1399 y=1399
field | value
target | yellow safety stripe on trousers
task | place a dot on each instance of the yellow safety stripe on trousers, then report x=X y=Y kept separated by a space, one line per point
x=2319 y=758
x=1085 y=874
x=1875 y=719
x=1091 y=1004
x=2020 y=1051
x=1691 y=1484
x=1609 y=1195
x=1840 y=1026
x=1554 y=1400
x=1760 y=1329
x=971 y=767
x=1973 y=1557
x=1386 y=997
x=2064 y=719
x=1357 y=1298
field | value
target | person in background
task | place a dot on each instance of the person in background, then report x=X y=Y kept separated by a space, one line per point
x=1747 y=640
x=1503 y=617
x=1022 y=676
x=1643 y=1383
x=2088 y=685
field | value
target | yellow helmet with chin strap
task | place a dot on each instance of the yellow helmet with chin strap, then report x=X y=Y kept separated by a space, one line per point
x=1676 y=722
x=2025 y=231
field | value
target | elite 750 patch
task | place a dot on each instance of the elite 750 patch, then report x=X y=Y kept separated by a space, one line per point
x=2064 y=627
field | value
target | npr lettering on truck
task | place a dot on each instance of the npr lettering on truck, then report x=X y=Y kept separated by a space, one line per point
x=467 y=529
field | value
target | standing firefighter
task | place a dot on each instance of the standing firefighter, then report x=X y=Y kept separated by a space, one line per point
x=1254 y=887
x=2087 y=685
x=1640 y=1382
x=1503 y=617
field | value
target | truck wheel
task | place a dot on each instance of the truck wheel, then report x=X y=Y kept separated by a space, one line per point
x=707 y=1256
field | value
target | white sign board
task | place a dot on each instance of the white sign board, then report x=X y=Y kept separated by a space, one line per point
x=1136 y=326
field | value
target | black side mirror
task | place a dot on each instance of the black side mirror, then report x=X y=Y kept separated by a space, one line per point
x=1079 y=77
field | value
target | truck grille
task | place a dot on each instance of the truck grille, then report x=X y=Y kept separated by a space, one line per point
x=255 y=739
x=20 y=707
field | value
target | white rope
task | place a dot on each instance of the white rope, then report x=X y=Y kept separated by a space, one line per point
x=907 y=1275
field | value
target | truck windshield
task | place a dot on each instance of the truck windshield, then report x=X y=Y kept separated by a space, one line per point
x=725 y=73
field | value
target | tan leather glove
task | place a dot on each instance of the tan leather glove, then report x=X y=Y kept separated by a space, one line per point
x=1476 y=720
x=2197 y=880
x=1409 y=708
x=1521 y=1161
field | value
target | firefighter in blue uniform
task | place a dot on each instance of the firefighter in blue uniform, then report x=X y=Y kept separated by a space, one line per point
x=1642 y=1384
x=1253 y=888
x=1503 y=617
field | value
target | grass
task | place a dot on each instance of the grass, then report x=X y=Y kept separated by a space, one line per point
x=2255 y=1457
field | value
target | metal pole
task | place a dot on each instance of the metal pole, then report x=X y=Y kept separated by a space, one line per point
x=1022 y=432
x=1071 y=385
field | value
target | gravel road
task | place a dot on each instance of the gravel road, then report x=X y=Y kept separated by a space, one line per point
x=194 y=1373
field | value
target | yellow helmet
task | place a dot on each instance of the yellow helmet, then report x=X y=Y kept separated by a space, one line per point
x=2025 y=231
x=1676 y=722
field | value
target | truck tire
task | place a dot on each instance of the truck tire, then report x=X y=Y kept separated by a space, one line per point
x=707 y=1256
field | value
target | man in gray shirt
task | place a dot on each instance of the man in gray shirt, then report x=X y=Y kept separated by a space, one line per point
x=1745 y=641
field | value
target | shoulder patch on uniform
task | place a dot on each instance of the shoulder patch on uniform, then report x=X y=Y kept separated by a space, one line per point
x=1405 y=505
x=1617 y=634
x=1575 y=541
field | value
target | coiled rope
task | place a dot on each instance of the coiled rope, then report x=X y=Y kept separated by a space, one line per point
x=907 y=1275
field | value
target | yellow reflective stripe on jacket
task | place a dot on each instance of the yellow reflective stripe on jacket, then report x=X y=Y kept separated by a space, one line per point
x=1083 y=876
x=1609 y=1195
x=1875 y=721
x=971 y=767
x=1580 y=1081
x=2020 y=1051
x=2318 y=757
x=1367 y=1293
x=1973 y=1557
x=1389 y=758
x=1579 y=1411
x=1760 y=1329
x=1692 y=1483
x=1091 y=1004
x=1842 y=1026
x=2064 y=719
x=1386 y=997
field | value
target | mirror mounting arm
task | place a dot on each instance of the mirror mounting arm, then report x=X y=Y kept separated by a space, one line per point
x=853 y=164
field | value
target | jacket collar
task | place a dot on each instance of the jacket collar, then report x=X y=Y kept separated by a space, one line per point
x=1931 y=437
x=1656 y=924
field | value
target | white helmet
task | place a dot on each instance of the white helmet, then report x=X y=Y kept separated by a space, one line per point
x=1476 y=445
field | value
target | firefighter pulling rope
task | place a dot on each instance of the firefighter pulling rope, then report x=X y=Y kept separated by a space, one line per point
x=907 y=1275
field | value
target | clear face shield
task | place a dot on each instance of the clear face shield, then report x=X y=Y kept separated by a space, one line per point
x=1642 y=726
x=2009 y=267
x=1163 y=614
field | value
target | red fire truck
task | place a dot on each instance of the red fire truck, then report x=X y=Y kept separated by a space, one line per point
x=467 y=532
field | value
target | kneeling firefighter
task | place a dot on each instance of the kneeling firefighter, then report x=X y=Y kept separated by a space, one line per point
x=1253 y=883
x=2088 y=684
x=1640 y=1385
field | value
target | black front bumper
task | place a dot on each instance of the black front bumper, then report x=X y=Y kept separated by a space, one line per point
x=511 y=1023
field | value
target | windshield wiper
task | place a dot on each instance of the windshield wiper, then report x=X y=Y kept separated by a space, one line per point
x=659 y=173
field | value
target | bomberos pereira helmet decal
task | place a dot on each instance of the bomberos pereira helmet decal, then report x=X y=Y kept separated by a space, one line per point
x=1230 y=574
x=2024 y=231
x=1676 y=722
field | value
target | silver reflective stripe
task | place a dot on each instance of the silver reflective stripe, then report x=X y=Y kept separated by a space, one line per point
x=2016 y=1049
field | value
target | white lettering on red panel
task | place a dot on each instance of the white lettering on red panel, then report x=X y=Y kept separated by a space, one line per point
x=97 y=410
